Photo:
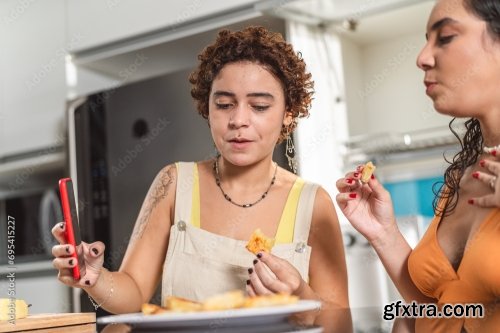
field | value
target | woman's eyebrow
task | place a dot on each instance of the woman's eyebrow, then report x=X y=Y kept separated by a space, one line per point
x=261 y=94
x=220 y=93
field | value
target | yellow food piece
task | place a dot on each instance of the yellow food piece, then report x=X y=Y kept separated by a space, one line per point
x=150 y=309
x=270 y=300
x=367 y=172
x=226 y=301
x=178 y=304
x=230 y=300
x=10 y=312
x=259 y=242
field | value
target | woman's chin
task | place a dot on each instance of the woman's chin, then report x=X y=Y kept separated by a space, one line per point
x=445 y=108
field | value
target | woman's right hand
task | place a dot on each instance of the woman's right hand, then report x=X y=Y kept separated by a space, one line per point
x=93 y=255
x=368 y=207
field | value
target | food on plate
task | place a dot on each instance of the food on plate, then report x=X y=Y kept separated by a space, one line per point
x=367 y=172
x=230 y=300
x=259 y=242
x=226 y=301
x=150 y=309
x=179 y=304
x=11 y=309
x=270 y=300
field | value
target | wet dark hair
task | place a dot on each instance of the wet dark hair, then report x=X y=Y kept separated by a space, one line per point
x=261 y=46
x=472 y=142
x=471 y=147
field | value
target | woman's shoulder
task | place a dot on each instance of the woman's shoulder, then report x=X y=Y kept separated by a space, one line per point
x=171 y=172
x=173 y=167
x=322 y=195
x=168 y=170
x=166 y=176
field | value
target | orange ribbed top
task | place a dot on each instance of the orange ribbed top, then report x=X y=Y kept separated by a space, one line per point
x=477 y=279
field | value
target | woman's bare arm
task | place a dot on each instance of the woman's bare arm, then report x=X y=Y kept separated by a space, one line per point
x=141 y=269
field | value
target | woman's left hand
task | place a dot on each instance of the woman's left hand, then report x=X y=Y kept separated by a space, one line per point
x=270 y=275
x=491 y=178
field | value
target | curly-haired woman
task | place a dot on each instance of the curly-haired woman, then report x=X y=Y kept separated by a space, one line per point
x=194 y=224
x=457 y=259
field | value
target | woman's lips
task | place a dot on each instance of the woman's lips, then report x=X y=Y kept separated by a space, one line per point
x=240 y=144
x=429 y=86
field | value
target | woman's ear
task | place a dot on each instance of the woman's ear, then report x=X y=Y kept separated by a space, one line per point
x=288 y=118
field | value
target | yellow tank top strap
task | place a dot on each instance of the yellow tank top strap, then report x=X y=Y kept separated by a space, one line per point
x=195 y=211
x=286 y=227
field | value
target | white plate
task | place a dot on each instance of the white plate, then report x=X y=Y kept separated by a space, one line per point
x=212 y=319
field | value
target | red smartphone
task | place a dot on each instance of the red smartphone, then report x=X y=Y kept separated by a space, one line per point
x=72 y=233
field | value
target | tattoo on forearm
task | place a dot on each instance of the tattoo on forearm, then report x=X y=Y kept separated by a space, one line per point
x=158 y=191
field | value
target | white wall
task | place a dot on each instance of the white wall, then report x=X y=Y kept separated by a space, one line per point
x=385 y=90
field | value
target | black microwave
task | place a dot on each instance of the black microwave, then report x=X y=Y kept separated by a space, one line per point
x=26 y=220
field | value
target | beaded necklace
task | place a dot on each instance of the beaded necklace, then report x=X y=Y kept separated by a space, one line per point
x=228 y=198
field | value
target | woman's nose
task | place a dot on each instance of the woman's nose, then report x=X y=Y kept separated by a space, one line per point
x=240 y=116
x=425 y=59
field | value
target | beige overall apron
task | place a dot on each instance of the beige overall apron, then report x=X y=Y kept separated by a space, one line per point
x=200 y=264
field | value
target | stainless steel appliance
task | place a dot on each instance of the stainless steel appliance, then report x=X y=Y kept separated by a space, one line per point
x=29 y=215
x=29 y=208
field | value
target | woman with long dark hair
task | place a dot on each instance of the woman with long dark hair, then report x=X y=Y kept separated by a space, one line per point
x=457 y=259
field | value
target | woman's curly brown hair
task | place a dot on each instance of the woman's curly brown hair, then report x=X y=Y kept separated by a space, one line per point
x=261 y=46
x=448 y=190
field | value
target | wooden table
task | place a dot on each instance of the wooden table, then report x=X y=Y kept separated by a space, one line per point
x=53 y=322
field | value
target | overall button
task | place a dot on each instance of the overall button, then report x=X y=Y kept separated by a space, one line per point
x=181 y=226
x=301 y=247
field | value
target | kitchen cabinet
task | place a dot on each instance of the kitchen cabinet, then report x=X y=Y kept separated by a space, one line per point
x=165 y=52
x=390 y=119
x=33 y=86
x=104 y=22
x=384 y=87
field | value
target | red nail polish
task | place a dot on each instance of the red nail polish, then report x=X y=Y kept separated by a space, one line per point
x=259 y=255
x=494 y=153
x=471 y=201
x=250 y=270
x=70 y=262
x=475 y=175
x=255 y=261
x=482 y=163
x=353 y=195
x=248 y=281
x=373 y=176
x=350 y=181
x=87 y=282
x=356 y=174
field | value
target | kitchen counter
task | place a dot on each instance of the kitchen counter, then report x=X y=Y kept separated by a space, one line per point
x=52 y=322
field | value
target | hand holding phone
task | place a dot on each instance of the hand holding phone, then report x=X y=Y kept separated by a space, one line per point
x=72 y=233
